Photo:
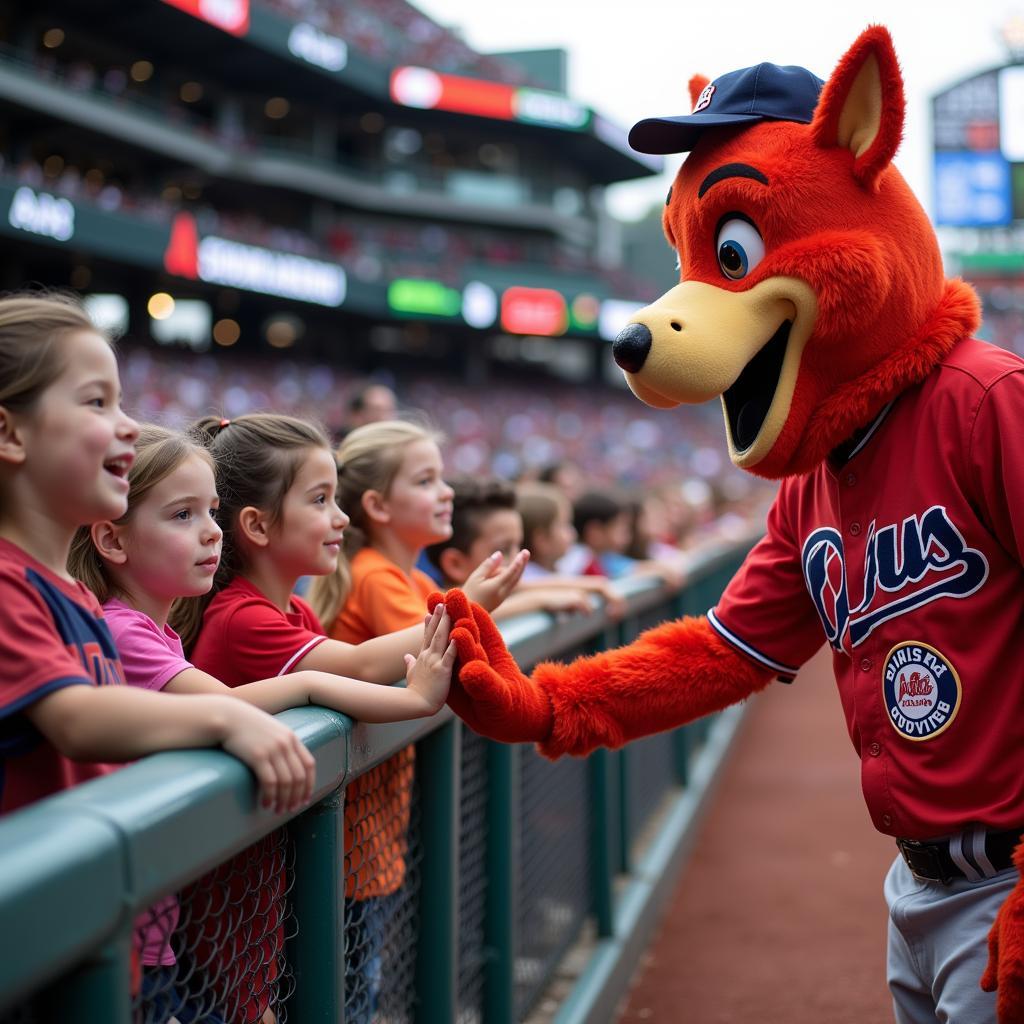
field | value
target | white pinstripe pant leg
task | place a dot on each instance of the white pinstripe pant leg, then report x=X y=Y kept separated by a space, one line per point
x=938 y=945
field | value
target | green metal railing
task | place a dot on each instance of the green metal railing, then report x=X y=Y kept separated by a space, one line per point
x=516 y=857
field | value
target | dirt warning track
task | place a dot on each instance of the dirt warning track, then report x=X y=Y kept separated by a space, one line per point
x=778 y=917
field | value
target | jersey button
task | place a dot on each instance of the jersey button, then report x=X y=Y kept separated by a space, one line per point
x=851 y=479
x=855 y=529
x=865 y=664
x=875 y=749
x=887 y=820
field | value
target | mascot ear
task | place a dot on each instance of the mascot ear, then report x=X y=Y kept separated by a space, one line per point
x=861 y=106
x=697 y=85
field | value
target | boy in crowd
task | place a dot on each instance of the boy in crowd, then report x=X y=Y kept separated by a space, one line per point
x=485 y=520
x=603 y=527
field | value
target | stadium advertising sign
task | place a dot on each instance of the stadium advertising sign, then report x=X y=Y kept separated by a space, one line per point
x=42 y=214
x=434 y=90
x=423 y=298
x=237 y=265
x=315 y=47
x=222 y=261
x=230 y=15
x=534 y=311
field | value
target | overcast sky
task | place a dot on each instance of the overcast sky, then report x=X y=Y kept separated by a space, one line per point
x=632 y=58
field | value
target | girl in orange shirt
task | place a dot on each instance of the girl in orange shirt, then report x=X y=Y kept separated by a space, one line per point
x=390 y=484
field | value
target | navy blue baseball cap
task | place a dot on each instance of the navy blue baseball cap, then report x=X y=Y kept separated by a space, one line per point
x=766 y=92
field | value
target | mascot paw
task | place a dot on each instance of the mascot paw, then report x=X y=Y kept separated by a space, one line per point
x=489 y=692
x=1004 y=974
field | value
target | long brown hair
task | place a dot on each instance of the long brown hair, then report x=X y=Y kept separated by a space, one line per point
x=32 y=331
x=369 y=459
x=256 y=458
x=158 y=453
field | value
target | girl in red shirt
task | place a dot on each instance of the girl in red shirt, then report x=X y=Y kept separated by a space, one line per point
x=276 y=479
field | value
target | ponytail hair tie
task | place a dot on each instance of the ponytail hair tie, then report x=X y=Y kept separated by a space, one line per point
x=224 y=423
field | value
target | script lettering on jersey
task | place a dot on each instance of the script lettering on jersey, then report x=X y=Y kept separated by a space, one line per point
x=906 y=566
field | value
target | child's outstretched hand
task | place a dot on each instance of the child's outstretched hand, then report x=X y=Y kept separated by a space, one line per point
x=284 y=768
x=491 y=695
x=1004 y=974
x=430 y=674
x=493 y=580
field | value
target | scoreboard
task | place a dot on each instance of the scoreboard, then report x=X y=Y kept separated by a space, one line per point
x=978 y=150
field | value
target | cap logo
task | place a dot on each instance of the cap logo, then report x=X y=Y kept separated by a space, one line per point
x=704 y=99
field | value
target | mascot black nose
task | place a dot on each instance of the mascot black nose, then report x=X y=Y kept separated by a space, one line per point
x=631 y=347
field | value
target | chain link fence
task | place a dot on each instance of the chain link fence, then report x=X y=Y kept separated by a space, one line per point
x=472 y=877
x=216 y=954
x=382 y=890
x=554 y=894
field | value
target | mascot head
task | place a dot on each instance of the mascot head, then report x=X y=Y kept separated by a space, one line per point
x=811 y=285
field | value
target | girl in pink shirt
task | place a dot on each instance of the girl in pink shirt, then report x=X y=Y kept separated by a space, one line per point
x=167 y=546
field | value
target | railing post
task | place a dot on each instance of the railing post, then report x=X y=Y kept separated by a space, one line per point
x=437 y=947
x=96 y=992
x=599 y=765
x=502 y=889
x=681 y=754
x=317 y=952
x=625 y=633
x=623 y=830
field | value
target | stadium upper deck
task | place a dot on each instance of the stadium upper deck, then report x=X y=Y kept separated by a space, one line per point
x=335 y=160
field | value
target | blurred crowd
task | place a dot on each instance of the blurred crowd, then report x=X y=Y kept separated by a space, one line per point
x=395 y=32
x=578 y=436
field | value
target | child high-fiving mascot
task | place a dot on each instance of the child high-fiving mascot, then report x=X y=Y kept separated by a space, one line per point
x=813 y=302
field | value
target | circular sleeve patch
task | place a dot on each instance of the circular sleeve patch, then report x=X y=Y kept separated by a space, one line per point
x=921 y=690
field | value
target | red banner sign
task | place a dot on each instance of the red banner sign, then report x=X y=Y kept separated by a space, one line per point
x=230 y=15
x=534 y=311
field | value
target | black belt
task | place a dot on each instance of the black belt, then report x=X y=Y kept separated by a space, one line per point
x=932 y=859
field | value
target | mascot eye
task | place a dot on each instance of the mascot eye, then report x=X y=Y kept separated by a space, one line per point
x=740 y=248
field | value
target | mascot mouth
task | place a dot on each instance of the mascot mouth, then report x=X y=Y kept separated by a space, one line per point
x=748 y=400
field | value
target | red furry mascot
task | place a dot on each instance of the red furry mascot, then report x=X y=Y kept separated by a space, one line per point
x=812 y=301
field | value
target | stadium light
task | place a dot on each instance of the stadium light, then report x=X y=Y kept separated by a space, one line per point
x=479 y=304
x=141 y=71
x=283 y=331
x=108 y=311
x=191 y=92
x=226 y=332
x=160 y=305
x=53 y=37
x=276 y=107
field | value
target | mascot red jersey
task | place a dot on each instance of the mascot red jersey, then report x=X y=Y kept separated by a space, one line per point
x=812 y=301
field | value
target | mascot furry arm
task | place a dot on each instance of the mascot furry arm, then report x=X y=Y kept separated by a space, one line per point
x=811 y=296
